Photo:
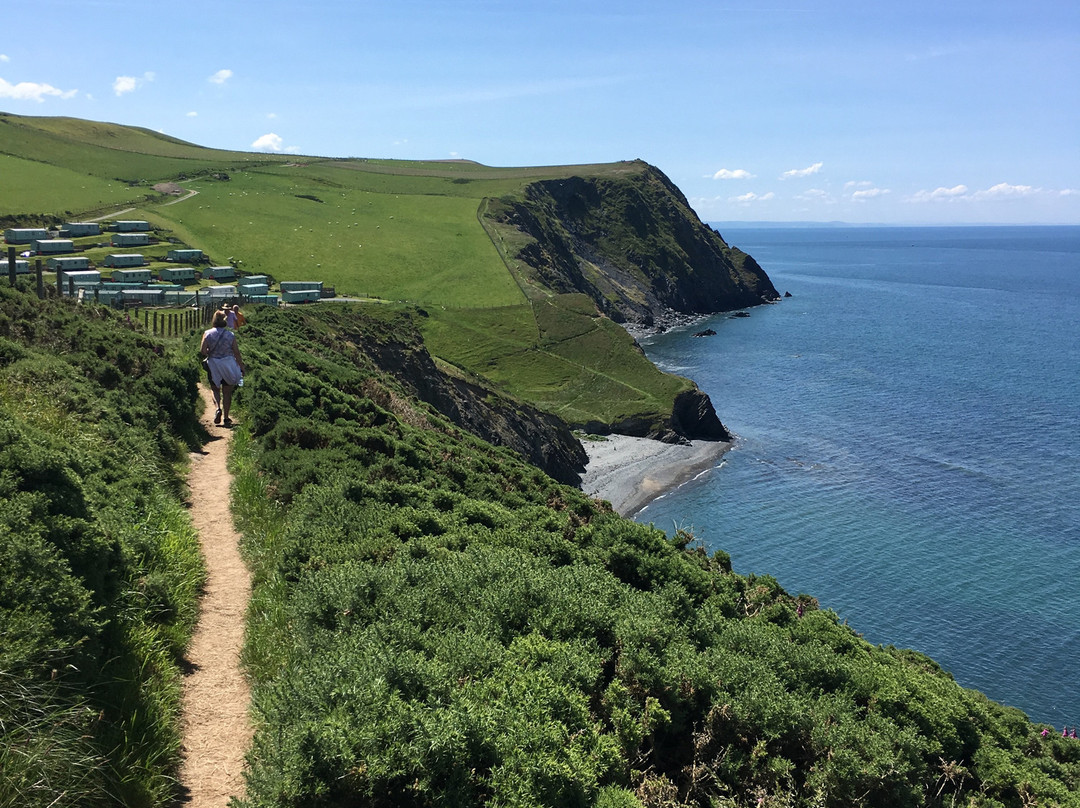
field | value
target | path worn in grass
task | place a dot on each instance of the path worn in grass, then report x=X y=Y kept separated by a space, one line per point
x=217 y=731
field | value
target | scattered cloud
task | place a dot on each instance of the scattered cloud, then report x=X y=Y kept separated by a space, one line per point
x=32 y=91
x=868 y=193
x=802 y=172
x=268 y=142
x=1068 y=192
x=732 y=174
x=1003 y=190
x=127 y=84
x=4 y=57
x=220 y=77
x=193 y=114
x=271 y=116
x=962 y=193
x=749 y=198
x=939 y=194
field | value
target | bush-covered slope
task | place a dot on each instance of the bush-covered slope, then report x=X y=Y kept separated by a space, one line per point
x=99 y=567
x=435 y=622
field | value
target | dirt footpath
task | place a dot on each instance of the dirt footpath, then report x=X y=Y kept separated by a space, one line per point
x=216 y=728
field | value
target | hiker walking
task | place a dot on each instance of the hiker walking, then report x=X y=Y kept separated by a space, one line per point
x=226 y=366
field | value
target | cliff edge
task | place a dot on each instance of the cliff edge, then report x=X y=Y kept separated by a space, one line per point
x=633 y=244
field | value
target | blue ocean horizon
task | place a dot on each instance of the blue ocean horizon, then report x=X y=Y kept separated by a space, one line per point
x=907 y=443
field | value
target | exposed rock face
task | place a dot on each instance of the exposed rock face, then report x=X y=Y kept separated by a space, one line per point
x=543 y=439
x=634 y=245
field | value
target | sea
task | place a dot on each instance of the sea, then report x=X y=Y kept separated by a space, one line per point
x=907 y=443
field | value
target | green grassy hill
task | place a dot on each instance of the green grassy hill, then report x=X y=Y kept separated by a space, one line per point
x=436 y=234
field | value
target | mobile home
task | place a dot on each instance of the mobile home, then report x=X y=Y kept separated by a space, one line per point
x=71 y=282
x=185 y=255
x=300 y=295
x=22 y=267
x=219 y=273
x=130 y=226
x=178 y=274
x=52 y=246
x=301 y=286
x=131 y=275
x=145 y=297
x=25 y=235
x=130 y=239
x=77 y=229
x=124 y=260
x=68 y=263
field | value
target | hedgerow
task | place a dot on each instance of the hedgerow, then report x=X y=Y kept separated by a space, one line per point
x=436 y=622
x=99 y=566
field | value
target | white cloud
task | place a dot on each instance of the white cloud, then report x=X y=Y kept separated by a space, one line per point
x=220 y=77
x=751 y=197
x=939 y=194
x=1003 y=190
x=193 y=114
x=268 y=142
x=4 y=57
x=732 y=174
x=868 y=193
x=1068 y=192
x=32 y=91
x=271 y=115
x=127 y=84
x=802 y=172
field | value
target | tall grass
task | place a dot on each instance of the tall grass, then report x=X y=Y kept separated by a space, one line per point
x=47 y=755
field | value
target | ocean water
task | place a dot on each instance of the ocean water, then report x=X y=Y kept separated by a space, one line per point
x=908 y=443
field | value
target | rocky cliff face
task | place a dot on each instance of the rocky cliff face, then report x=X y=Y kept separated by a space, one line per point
x=634 y=245
x=541 y=438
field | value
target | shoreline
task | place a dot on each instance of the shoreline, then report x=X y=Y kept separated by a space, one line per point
x=630 y=473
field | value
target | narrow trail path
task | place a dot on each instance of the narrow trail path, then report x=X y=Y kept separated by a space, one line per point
x=216 y=727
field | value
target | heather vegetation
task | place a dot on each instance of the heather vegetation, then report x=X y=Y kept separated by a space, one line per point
x=99 y=566
x=436 y=623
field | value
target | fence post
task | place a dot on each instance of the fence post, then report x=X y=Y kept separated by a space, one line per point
x=40 y=281
x=11 y=264
x=155 y=323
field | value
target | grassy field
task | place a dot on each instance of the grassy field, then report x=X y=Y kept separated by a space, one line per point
x=422 y=247
x=377 y=229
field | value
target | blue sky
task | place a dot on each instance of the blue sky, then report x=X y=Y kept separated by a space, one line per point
x=948 y=111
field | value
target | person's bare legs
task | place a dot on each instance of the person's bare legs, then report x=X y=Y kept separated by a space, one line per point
x=226 y=398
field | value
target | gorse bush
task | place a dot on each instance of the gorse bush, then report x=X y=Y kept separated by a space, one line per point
x=99 y=567
x=437 y=623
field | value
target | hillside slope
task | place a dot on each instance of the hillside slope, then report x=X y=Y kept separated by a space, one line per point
x=437 y=623
x=501 y=258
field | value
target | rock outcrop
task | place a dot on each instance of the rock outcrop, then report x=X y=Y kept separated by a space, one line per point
x=631 y=242
x=543 y=439
x=634 y=245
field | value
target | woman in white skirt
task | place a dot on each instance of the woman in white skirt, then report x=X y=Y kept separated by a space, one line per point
x=226 y=367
